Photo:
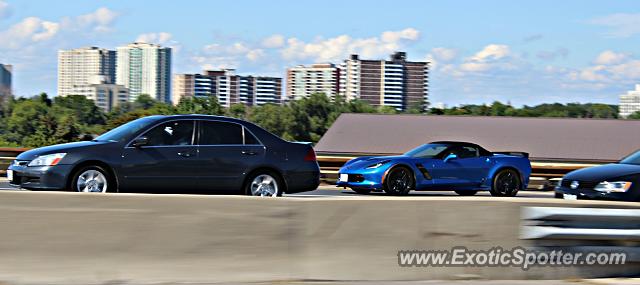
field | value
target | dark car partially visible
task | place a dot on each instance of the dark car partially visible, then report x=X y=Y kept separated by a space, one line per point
x=617 y=181
x=180 y=153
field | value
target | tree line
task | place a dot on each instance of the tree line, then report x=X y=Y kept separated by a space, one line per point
x=41 y=120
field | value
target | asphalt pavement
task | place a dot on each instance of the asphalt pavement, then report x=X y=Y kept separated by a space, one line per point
x=332 y=191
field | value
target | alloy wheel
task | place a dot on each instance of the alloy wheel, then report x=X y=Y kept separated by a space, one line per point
x=92 y=181
x=264 y=185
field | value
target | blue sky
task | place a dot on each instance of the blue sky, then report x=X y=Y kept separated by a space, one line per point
x=516 y=51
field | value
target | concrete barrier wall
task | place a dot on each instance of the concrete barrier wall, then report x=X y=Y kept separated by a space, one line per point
x=74 y=238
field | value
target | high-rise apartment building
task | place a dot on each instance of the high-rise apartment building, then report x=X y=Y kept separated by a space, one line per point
x=630 y=102
x=104 y=94
x=302 y=81
x=145 y=69
x=77 y=66
x=6 y=73
x=228 y=87
x=395 y=82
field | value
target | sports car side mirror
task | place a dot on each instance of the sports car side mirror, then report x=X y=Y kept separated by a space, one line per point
x=450 y=157
x=141 y=141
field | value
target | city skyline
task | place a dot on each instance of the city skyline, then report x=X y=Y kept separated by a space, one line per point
x=480 y=52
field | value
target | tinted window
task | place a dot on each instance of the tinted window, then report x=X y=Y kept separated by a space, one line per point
x=125 y=131
x=249 y=138
x=427 y=150
x=463 y=152
x=215 y=133
x=632 y=159
x=171 y=133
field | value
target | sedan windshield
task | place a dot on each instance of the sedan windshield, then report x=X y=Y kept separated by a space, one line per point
x=634 y=158
x=427 y=150
x=125 y=131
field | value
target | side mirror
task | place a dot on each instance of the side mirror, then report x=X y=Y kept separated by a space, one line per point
x=139 y=142
x=450 y=157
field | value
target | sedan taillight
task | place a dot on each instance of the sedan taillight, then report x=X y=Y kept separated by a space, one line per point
x=311 y=155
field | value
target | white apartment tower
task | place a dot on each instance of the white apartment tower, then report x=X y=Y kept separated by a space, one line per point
x=145 y=69
x=228 y=87
x=76 y=67
x=302 y=81
x=396 y=82
x=630 y=102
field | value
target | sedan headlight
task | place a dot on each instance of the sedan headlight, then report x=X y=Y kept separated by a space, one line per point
x=47 y=160
x=617 y=186
x=381 y=163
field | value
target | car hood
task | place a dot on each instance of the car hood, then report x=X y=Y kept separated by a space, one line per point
x=365 y=161
x=603 y=172
x=58 y=148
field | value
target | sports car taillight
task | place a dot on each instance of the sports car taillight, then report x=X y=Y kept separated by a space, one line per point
x=311 y=155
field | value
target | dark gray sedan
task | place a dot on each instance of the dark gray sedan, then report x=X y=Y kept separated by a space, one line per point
x=181 y=153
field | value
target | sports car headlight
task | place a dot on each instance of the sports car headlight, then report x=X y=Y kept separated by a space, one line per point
x=381 y=163
x=618 y=186
x=47 y=160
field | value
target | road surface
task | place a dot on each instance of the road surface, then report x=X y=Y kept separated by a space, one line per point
x=331 y=191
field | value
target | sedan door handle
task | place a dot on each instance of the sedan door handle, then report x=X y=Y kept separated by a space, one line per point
x=248 y=152
x=185 y=154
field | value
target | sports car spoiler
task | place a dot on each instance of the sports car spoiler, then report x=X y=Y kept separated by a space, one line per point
x=513 y=153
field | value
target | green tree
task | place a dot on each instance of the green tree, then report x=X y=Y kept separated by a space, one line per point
x=195 y=105
x=634 y=116
x=237 y=111
x=83 y=109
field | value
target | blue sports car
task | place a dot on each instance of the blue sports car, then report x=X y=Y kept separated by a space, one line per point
x=465 y=168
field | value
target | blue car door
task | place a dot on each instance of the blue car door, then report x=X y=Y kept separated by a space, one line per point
x=467 y=169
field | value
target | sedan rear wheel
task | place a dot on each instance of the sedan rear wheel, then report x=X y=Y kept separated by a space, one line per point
x=398 y=181
x=264 y=184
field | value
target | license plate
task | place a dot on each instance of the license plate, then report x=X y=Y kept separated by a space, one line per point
x=344 y=177
x=10 y=175
x=570 y=197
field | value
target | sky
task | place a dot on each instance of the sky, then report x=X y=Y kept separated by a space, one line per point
x=521 y=52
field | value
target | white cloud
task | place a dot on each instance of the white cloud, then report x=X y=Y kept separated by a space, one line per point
x=339 y=47
x=490 y=52
x=5 y=10
x=99 y=20
x=444 y=54
x=154 y=38
x=621 y=25
x=610 y=57
x=29 y=30
x=273 y=41
x=609 y=67
x=493 y=56
x=33 y=30
x=254 y=55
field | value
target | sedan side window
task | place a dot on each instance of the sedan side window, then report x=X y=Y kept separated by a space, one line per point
x=220 y=133
x=171 y=133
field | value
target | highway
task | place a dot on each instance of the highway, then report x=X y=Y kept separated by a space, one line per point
x=331 y=191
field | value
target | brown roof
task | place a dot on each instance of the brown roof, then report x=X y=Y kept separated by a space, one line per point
x=543 y=138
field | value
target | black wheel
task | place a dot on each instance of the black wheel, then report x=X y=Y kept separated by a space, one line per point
x=398 y=181
x=506 y=183
x=93 y=179
x=466 y=193
x=264 y=184
x=362 y=191
x=558 y=195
